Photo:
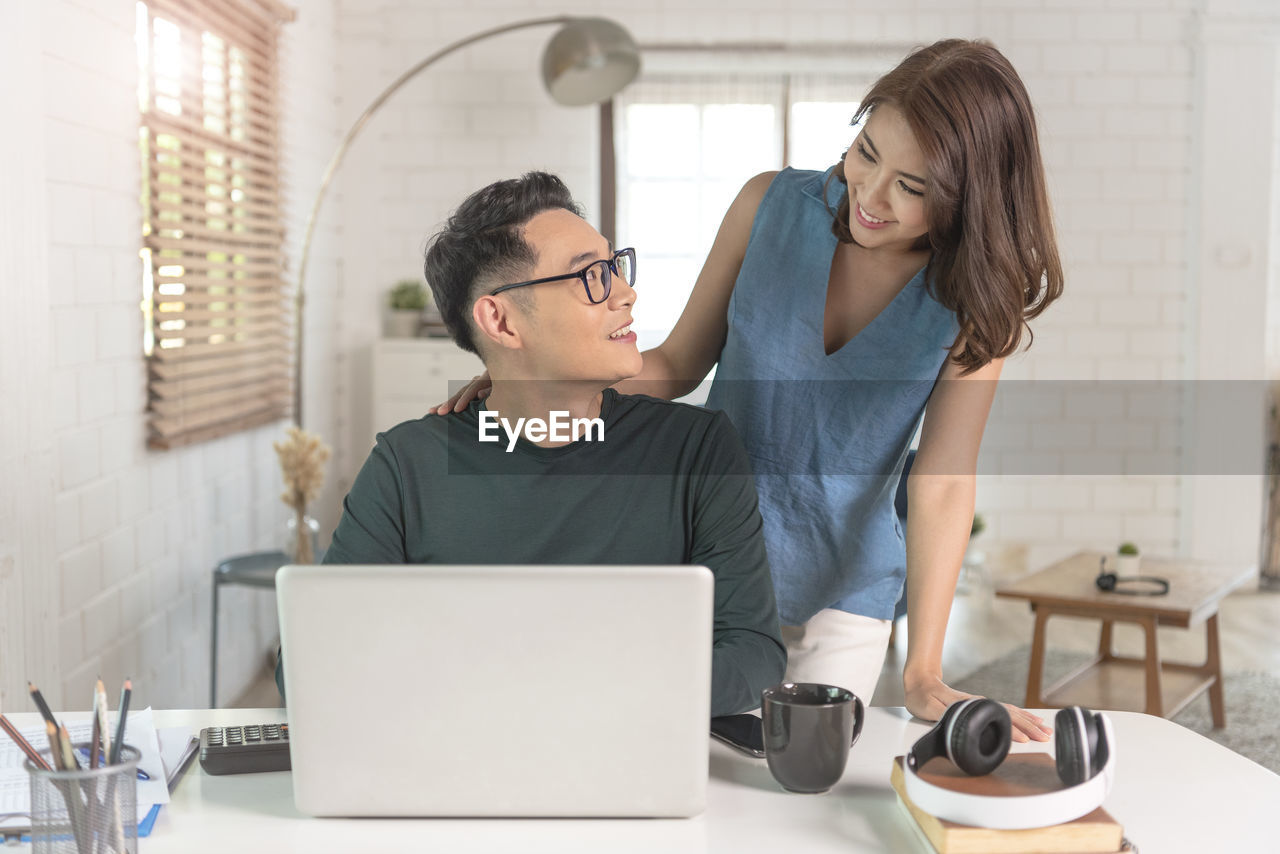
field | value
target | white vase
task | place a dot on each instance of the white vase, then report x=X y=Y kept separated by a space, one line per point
x=403 y=323
x=305 y=547
x=1127 y=564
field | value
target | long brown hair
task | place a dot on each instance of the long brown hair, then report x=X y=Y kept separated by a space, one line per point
x=995 y=260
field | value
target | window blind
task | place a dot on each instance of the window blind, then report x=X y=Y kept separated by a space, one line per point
x=217 y=336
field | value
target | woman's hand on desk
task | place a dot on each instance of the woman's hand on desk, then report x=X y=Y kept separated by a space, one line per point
x=928 y=697
x=479 y=386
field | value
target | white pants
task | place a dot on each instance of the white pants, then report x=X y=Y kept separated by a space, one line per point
x=838 y=648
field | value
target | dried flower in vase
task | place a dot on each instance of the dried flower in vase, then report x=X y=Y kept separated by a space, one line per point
x=302 y=458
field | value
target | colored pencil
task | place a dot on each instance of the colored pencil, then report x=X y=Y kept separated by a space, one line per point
x=65 y=760
x=123 y=713
x=51 y=730
x=24 y=745
x=45 y=711
x=103 y=723
x=69 y=758
x=96 y=738
x=113 y=758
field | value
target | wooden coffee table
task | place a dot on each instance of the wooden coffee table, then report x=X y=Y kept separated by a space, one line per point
x=1109 y=681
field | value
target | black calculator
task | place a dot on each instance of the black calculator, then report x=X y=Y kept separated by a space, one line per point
x=244 y=749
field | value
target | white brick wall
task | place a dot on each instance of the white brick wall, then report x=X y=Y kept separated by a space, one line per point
x=1115 y=89
x=131 y=535
x=134 y=534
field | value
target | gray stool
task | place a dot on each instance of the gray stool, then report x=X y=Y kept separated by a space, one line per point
x=251 y=570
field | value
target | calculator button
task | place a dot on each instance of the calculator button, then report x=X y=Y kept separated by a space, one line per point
x=252 y=733
x=284 y=731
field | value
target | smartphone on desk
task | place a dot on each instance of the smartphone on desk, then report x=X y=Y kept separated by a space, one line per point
x=744 y=733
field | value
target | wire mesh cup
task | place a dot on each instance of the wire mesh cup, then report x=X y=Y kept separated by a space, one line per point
x=93 y=811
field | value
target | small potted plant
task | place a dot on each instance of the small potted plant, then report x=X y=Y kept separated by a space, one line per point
x=407 y=300
x=1127 y=559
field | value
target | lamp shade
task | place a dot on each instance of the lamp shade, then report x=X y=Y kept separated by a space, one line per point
x=589 y=60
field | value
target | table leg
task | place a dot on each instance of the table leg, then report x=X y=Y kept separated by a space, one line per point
x=1035 y=670
x=1104 y=641
x=1213 y=664
x=1155 y=700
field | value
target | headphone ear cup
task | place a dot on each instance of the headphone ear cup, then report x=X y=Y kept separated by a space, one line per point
x=980 y=737
x=949 y=714
x=934 y=743
x=1076 y=755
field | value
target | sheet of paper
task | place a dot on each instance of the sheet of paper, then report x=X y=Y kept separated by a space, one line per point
x=139 y=732
x=173 y=745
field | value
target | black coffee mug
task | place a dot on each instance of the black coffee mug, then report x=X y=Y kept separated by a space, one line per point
x=808 y=730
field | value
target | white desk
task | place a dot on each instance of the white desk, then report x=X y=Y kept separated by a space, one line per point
x=1175 y=791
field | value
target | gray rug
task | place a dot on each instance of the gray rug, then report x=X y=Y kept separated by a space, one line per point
x=1251 y=699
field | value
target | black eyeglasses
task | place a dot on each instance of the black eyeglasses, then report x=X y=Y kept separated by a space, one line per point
x=597 y=277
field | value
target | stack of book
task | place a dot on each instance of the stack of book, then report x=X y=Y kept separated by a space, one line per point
x=1019 y=774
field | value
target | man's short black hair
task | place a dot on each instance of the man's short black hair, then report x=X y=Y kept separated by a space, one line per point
x=481 y=246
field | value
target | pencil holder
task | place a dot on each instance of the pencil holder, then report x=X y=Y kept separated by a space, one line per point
x=93 y=811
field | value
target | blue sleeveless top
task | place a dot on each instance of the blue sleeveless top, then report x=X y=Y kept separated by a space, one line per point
x=827 y=435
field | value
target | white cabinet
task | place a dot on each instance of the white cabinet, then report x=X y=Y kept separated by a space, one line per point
x=411 y=375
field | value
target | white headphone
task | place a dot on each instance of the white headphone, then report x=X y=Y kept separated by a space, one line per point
x=975 y=733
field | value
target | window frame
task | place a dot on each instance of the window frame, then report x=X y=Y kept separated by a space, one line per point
x=795 y=69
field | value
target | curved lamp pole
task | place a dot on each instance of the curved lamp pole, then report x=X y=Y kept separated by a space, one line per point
x=588 y=60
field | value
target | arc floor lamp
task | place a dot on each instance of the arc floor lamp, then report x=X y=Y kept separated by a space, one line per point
x=587 y=61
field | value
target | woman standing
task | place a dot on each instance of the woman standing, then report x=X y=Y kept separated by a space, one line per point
x=842 y=308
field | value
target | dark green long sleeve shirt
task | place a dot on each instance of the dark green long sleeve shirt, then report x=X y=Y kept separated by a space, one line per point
x=669 y=484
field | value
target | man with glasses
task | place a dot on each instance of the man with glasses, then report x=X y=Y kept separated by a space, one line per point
x=521 y=279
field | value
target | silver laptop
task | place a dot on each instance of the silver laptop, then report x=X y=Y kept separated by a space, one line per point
x=497 y=690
